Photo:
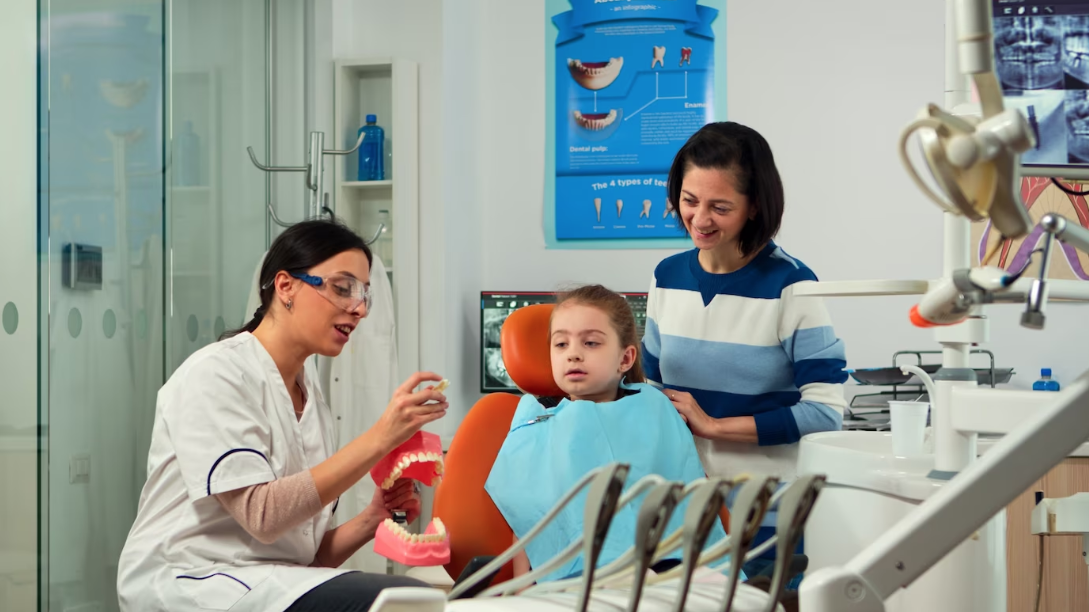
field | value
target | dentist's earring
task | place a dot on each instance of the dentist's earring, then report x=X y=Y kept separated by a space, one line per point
x=289 y=304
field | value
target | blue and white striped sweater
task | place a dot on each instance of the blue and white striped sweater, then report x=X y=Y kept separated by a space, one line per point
x=744 y=345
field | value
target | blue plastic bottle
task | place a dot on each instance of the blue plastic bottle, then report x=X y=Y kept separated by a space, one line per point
x=187 y=157
x=371 y=152
x=1045 y=383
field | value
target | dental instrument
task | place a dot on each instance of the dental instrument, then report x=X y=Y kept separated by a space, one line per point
x=750 y=506
x=654 y=516
x=702 y=512
x=643 y=521
x=744 y=524
x=794 y=508
x=605 y=484
x=620 y=573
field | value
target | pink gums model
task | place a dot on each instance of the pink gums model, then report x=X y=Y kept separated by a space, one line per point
x=420 y=458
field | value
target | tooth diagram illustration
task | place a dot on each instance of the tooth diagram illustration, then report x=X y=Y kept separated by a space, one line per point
x=686 y=56
x=595 y=75
x=646 y=209
x=597 y=207
x=659 y=57
x=594 y=121
x=669 y=210
x=619 y=207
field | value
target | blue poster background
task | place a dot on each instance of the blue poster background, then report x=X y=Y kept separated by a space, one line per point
x=628 y=82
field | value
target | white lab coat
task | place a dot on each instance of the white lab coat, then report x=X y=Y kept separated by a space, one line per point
x=360 y=383
x=224 y=421
x=362 y=380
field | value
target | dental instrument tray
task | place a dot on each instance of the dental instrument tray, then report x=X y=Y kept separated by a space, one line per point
x=870 y=411
x=895 y=377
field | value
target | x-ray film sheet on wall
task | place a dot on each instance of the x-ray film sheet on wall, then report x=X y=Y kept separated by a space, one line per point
x=1042 y=61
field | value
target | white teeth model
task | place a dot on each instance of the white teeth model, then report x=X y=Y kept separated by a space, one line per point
x=416 y=538
x=619 y=207
x=595 y=121
x=402 y=465
x=597 y=207
x=595 y=75
x=659 y=57
x=646 y=209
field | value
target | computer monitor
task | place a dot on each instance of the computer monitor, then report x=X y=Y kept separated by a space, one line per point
x=496 y=306
x=1042 y=61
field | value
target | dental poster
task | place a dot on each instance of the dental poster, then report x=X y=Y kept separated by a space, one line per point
x=630 y=82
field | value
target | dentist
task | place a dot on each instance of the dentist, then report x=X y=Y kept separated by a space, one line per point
x=243 y=471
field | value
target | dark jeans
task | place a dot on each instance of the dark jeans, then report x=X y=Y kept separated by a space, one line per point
x=353 y=592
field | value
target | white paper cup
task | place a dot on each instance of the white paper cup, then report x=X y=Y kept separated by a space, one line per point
x=908 y=427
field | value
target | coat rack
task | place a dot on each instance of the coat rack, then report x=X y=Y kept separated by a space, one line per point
x=317 y=199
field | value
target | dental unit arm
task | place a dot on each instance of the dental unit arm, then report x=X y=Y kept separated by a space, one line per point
x=985 y=486
x=951 y=301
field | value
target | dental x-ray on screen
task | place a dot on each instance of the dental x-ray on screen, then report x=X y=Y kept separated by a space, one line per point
x=495 y=307
x=1042 y=60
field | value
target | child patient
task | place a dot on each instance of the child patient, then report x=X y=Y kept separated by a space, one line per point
x=609 y=414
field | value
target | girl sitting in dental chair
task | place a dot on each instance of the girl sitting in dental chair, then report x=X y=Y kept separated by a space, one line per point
x=609 y=414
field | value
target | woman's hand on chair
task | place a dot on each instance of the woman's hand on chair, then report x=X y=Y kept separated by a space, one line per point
x=698 y=421
x=409 y=410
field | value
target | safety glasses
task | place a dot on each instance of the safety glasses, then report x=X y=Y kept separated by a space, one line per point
x=344 y=292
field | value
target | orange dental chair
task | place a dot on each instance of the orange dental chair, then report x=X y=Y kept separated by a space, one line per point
x=475 y=525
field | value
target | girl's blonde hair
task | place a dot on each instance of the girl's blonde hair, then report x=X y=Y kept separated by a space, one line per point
x=620 y=315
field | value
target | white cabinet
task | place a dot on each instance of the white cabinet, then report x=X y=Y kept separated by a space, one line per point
x=387 y=88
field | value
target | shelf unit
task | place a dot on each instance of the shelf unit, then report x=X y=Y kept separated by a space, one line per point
x=388 y=88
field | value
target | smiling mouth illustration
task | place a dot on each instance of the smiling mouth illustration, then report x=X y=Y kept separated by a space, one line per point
x=595 y=121
x=595 y=75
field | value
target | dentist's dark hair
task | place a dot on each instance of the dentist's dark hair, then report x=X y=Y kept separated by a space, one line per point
x=301 y=247
x=744 y=153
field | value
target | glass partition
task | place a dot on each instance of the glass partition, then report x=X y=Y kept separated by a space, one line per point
x=151 y=223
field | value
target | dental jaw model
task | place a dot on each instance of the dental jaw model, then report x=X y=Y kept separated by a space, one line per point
x=420 y=458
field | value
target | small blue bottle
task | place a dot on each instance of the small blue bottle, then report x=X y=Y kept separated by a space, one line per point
x=187 y=157
x=371 y=152
x=1045 y=383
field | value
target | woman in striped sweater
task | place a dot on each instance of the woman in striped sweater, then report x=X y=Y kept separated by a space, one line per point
x=751 y=366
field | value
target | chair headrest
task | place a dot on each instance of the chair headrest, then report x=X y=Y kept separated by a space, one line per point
x=526 y=350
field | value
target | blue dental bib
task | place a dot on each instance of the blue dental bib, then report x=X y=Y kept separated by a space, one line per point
x=548 y=450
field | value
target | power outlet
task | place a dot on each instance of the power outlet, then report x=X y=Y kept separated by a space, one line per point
x=79 y=469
